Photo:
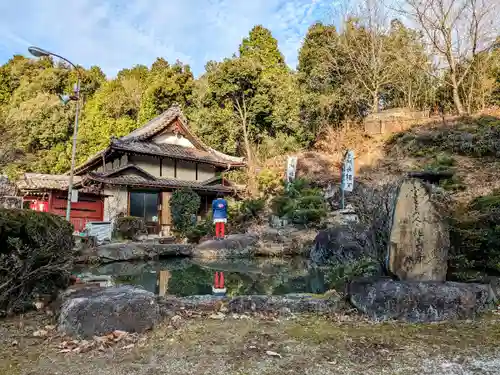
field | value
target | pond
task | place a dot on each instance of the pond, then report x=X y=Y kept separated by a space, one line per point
x=185 y=277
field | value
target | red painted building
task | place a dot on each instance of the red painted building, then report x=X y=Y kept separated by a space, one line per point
x=49 y=193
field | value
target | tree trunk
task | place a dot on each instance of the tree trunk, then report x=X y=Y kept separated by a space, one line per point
x=252 y=189
x=456 y=96
x=375 y=108
x=242 y=110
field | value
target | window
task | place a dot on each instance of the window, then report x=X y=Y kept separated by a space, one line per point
x=145 y=205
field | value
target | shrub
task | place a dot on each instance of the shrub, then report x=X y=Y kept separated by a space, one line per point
x=243 y=212
x=443 y=162
x=340 y=275
x=475 y=236
x=129 y=227
x=469 y=137
x=184 y=204
x=200 y=230
x=270 y=182
x=36 y=256
x=251 y=209
x=300 y=203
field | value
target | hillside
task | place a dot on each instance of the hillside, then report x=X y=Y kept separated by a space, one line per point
x=468 y=147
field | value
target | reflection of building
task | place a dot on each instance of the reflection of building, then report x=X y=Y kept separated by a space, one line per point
x=162 y=282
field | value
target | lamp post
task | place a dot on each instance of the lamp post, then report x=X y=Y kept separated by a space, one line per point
x=39 y=52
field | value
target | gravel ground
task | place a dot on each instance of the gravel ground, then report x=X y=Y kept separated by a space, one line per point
x=262 y=345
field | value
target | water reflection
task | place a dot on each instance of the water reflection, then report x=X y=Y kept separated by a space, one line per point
x=194 y=277
x=162 y=282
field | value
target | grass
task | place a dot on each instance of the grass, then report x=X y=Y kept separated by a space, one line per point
x=305 y=345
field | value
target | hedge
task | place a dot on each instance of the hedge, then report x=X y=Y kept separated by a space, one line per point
x=36 y=256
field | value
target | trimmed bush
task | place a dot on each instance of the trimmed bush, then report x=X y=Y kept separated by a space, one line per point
x=129 y=227
x=36 y=257
x=300 y=203
x=184 y=205
x=200 y=230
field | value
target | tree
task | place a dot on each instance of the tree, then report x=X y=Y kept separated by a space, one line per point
x=324 y=76
x=413 y=86
x=166 y=85
x=457 y=31
x=369 y=51
x=262 y=47
x=234 y=84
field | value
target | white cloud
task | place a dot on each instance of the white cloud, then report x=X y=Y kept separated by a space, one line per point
x=115 y=34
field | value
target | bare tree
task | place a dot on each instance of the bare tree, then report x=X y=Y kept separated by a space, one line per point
x=368 y=48
x=456 y=31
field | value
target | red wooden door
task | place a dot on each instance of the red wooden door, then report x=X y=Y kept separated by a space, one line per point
x=88 y=208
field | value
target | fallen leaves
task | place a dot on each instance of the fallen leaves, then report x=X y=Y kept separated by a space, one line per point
x=46 y=331
x=102 y=343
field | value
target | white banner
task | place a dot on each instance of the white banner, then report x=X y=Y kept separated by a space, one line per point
x=291 y=168
x=74 y=196
x=348 y=172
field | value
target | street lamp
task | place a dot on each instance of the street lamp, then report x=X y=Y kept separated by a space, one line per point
x=39 y=52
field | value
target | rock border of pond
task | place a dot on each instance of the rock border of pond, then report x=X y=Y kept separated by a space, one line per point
x=133 y=309
x=234 y=246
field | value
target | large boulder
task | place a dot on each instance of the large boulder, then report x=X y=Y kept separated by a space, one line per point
x=285 y=241
x=97 y=311
x=419 y=238
x=418 y=302
x=232 y=246
x=343 y=244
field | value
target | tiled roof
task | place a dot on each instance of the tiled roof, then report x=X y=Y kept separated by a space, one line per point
x=37 y=181
x=140 y=181
x=137 y=141
x=173 y=151
x=156 y=124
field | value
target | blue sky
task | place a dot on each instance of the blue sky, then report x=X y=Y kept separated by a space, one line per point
x=115 y=34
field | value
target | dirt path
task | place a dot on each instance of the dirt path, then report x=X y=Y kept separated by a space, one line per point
x=301 y=345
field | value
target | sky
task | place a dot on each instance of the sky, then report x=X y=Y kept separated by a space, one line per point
x=116 y=34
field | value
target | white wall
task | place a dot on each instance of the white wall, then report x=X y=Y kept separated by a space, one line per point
x=172 y=139
x=205 y=172
x=148 y=163
x=115 y=202
x=186 y=170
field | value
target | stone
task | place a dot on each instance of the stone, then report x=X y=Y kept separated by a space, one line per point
x=418 y=302
x=291 y=303
x=171 y=305
x=125 y=251
x=343 y=244
x=232 y=246
x=286 y=241
x=419 y=239
x=92 y=312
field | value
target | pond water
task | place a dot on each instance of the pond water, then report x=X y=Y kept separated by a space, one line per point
x=185 y=277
